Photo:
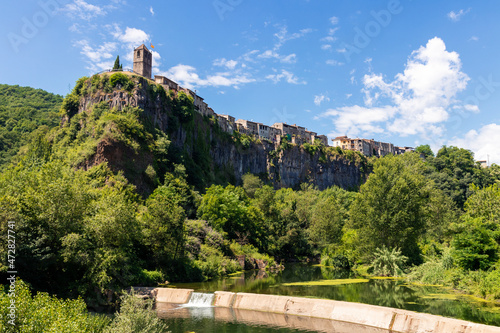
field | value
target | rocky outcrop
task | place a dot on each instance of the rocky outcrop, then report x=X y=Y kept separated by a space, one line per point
x=288 y=168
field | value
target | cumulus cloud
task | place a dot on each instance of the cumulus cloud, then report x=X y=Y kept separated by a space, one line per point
x=151 y=10
x=318 y=99
x=131 y=36
x=484 y=143
x=416 y=101
x=456 y=16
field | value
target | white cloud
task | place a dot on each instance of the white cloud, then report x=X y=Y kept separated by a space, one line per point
x=326 y=46
x=271 y=54
x=283 y=36
x=332 y=31
x=333 y=62
x=355 y=120
x=417 y=101
x=151 y=10
x=328 y=39
x=456 y=16
x=318 y=99
x=484 y=143
x=285 y=75
x=98 y=58
x=334 y=20
x=222 y=62
x=132 y=36
x=474 y=39
x=187 y=77
x=83 y=10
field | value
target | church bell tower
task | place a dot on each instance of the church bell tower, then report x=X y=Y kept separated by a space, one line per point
x=143 y=61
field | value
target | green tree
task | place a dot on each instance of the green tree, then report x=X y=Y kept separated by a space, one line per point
x=117 y=66
x=390 y=208
x=454 y=170
x=164 y=220
x=424 y=149
x=229 y=210
x=250 y=184
x=329 y=215
x=474 y=247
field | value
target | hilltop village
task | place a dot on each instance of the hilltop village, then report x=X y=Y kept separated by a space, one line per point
x=296 y=134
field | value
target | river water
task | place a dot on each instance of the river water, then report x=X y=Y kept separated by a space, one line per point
x=323 y=282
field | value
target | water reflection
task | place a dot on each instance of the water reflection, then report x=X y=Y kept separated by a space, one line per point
x=182 y=319
x=390 y=293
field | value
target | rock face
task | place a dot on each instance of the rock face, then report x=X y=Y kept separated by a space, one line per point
x=286 y=168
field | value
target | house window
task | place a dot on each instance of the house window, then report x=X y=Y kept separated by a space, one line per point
x=138 y=54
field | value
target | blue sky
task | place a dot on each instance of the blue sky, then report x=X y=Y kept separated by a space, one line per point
x=406 y=72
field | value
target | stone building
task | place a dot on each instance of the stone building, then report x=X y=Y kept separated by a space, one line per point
x=143 y=61
x=226 y=122
x=251 y=127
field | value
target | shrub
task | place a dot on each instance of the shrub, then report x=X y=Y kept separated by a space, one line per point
x=213 y=263
x=45 y=313
x=136 y=315
x=121 y=80
x=338 y=261
x=388 y=262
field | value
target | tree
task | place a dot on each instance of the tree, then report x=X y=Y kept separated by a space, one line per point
x=390 y=208
x=117 y=66
x=251 y=183
x=454 y=170
x=229 y=210
x=424 y=149
x=474 y=247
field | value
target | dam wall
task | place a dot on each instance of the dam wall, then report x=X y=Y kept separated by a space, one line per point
x=393 y=320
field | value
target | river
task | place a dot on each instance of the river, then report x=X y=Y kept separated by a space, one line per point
x=322 y=282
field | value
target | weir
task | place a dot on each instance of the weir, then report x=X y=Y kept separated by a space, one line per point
x=200 y=300
x=393 y=320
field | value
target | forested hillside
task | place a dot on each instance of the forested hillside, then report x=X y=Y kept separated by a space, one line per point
x=22 y=111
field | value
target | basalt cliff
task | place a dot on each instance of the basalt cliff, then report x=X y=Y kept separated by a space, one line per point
x=209 y=154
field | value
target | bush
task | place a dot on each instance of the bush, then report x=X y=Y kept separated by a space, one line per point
x=338 y=261
x=45 y=313
x=136 y=315
x=213 y=263
x=121 y=80
x=388 y=262
x=150 y=278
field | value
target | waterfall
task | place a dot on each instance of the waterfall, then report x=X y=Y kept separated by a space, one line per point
x=200 y=300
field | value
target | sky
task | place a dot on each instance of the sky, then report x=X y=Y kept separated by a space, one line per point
x=407 y=72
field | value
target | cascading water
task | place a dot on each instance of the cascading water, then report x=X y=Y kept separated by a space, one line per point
x=200 y=300
x=200 y=305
